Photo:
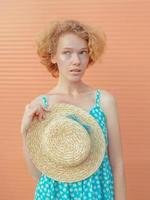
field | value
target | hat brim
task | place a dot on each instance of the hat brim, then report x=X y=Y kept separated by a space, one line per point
x=58 y=172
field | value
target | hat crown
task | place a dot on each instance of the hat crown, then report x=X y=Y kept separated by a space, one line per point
x=65 y=145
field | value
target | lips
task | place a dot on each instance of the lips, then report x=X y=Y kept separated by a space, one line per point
x=75 y=70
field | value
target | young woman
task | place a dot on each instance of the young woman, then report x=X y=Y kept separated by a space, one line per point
x=67 y=49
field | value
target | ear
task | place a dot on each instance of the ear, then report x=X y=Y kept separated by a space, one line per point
x=53 y=59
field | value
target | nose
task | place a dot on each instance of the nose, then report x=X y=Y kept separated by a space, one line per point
x=75 y=59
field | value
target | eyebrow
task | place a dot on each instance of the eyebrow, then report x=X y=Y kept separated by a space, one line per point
x=72 y=48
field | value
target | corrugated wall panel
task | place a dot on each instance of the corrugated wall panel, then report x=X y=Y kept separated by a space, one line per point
x=124 y=72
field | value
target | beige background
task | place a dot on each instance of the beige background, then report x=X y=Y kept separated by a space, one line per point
x=125 y=72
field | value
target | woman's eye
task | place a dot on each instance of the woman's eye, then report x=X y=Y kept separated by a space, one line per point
x=83 y=52
x=66 y=52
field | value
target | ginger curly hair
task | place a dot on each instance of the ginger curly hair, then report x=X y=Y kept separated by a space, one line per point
x=47 y=41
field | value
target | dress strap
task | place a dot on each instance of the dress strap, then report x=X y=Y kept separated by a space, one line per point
x=98 y=97
x=44 y=101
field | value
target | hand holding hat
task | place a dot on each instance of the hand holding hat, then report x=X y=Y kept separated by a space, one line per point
x=36 y=109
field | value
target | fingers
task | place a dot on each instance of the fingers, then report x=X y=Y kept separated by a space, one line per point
x=40 y=117
x=40 y=114
x=39 y=108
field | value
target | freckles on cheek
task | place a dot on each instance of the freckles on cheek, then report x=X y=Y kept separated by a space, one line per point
x=63 y=58
x=63 y=62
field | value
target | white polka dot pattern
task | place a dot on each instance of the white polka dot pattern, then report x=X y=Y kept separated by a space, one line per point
x=99 y=186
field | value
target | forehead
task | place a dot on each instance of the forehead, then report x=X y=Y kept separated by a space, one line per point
x=71 y=40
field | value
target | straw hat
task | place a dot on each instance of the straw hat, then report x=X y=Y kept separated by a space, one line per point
x=68 y=145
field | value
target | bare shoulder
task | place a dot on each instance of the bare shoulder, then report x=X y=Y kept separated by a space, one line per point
x=36 y=100
x=108 y=100
x=51 y=98
x=107 y=96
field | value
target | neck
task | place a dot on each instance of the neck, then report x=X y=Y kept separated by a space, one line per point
x=71 y=88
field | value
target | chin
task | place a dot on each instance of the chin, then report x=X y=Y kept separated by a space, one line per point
x=75 y=79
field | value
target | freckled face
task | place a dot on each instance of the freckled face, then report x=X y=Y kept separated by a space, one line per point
x=72 y=52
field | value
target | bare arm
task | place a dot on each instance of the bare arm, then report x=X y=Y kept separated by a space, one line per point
x=115 y=147
x=34 y=172
x=32 y=110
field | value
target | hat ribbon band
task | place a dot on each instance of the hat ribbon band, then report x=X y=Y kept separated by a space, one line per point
x=77 y=119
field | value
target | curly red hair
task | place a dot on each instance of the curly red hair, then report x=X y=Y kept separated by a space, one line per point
x=47 y=41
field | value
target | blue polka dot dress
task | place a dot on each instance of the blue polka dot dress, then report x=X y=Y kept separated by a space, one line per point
x=99 y=186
